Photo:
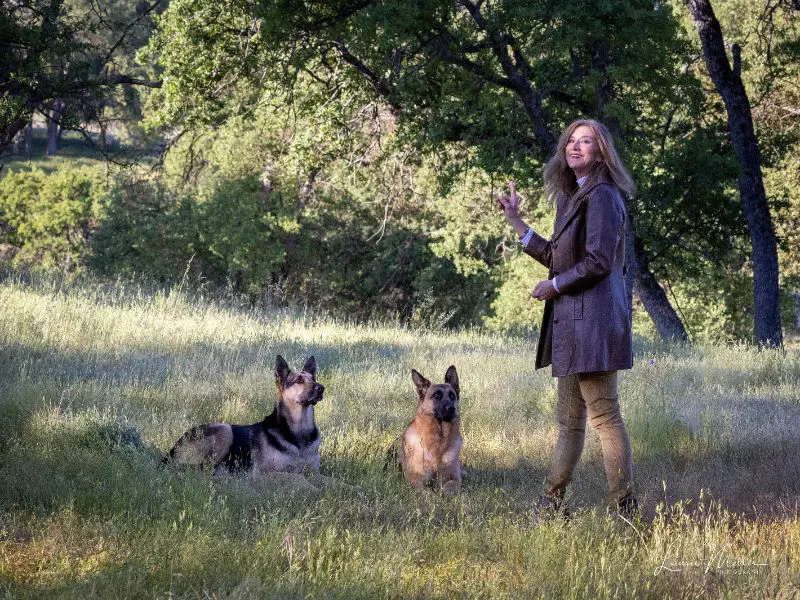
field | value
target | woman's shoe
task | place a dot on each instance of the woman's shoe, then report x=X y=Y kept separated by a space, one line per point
x=628 y=508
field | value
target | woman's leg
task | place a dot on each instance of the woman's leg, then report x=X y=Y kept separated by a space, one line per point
x=599 y=390
x=571 y=419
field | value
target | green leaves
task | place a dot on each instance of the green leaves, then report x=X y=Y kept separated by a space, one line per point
x=49 y=219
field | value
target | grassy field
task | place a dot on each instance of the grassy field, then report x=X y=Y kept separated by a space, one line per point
x=73 y=151
x=96 y=382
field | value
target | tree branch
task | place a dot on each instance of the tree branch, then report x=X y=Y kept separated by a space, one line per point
x=129 y=80
x=380 y=86
x=445 y=51
x=150 y=8
x=515 y=70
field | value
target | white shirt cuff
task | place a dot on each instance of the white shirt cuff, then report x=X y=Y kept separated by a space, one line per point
x=525 y=240
x=555 y=285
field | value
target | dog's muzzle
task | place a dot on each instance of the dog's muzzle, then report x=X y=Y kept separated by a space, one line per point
x=316 y=394
x=447 y=412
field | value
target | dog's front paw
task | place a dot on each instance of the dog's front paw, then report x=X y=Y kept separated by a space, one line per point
x=451 y=487
x=285 y=483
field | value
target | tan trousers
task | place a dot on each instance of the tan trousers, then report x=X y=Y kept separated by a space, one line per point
x=595 y=394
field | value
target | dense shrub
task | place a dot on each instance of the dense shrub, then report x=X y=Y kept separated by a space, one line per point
x=47 y=220
x=146 y=231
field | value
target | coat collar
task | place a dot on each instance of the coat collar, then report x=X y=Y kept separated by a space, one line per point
x=573 y=204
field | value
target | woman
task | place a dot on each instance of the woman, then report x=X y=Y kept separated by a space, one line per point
x=586 y=329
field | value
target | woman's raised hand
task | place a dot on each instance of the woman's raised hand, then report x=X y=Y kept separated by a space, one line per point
x=509 y=204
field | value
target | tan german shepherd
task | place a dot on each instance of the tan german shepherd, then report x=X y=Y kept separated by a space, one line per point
x=286 y=440
x=429 y=451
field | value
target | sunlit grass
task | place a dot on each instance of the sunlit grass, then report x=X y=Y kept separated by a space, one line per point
x=98 y=381
x=73 y=152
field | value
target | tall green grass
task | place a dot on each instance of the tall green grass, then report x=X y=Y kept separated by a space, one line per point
x=97 y=382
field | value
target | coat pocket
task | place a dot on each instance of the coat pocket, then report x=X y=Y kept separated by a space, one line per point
x=578 y=306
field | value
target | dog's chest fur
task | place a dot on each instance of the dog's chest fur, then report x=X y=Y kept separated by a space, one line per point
x=288 y=446
x=436 y=443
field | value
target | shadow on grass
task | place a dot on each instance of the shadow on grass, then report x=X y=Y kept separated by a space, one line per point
x=91 y=472
x=34 y=378
x=753 y=479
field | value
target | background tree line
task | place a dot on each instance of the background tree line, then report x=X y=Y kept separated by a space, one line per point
x=344 y=154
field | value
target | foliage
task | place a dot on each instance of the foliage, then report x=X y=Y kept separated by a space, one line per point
x=461 y=86
x=696 y=218
x=37 y=35
x=48 y=220
x=71 y=51
x=717 y=305
x=352 y=239
x=145 y=232
x=513 y=310
x=345 y=154
x=434 y=63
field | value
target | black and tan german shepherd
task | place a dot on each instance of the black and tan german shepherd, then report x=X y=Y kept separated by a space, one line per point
x=286 y=440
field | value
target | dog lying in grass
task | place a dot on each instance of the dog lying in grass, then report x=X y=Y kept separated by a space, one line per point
x=429 y=451
x=287 y=440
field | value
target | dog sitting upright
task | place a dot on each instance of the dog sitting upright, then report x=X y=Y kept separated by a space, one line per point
x=286 y=440
x=429 y=450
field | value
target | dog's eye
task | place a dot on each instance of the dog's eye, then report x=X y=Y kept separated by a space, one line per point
x=452 y=396
x=437 y=394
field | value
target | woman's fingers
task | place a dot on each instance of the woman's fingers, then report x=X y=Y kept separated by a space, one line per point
x=542 y=290
x=509 y=203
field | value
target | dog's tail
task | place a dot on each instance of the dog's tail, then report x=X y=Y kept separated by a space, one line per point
x=167 y=459
x=194 y=434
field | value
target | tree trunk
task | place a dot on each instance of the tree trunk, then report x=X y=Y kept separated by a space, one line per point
x=16 y=146
x=29 y=140
x=654 y=299
x=728 y=82
x=52 y=137
x=266 y=185
x=53 y=127
x=11 y=127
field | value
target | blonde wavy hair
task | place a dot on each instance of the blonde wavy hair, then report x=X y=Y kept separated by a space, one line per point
x=559 y=178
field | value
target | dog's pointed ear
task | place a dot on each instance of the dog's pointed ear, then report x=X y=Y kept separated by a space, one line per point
x=282 y=370
x=421 y=383
x=451 y=377
x=311 y=366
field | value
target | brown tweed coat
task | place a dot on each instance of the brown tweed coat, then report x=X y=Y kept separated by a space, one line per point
x=587 y=326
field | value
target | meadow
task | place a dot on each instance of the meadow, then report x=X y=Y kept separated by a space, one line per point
x=97 y=381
